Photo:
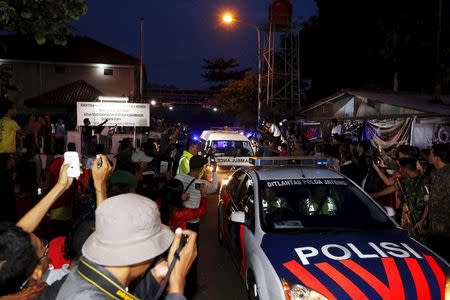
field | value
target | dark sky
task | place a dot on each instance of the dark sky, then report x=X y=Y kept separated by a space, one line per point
x=179 y=34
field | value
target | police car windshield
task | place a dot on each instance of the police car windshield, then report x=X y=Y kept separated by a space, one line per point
x=302 y=204
x=232 y=148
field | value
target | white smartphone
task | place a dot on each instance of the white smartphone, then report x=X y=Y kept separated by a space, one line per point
x=72 y=158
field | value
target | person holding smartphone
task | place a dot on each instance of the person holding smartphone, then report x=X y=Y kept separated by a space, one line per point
x=196 y=188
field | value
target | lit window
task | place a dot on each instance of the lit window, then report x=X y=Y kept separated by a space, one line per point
x=108 y=72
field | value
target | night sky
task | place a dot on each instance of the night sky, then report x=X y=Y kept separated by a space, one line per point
x=179 y=34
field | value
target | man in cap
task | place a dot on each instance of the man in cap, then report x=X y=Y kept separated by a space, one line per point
x=128 y=237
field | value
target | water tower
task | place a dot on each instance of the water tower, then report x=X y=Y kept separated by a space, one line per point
x=281 y=56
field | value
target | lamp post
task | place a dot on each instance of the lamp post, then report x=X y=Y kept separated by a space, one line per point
x=228 y=18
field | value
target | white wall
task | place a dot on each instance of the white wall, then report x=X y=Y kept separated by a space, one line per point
x=33 y=79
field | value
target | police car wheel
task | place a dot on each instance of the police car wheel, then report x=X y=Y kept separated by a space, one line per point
x=219 y=232
x=252 y=287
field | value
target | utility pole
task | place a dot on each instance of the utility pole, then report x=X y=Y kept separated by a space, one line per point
x=141 y=62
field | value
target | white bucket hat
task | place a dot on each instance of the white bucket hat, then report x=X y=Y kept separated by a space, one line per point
x=128 y=230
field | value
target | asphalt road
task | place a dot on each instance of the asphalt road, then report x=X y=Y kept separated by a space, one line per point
x=218 y=276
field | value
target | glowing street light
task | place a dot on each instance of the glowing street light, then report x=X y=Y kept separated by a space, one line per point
x=227 y=18
x=215 y=109
x=153 y=102
x=170 y=107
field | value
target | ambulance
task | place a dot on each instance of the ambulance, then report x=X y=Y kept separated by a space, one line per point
x=231 y=149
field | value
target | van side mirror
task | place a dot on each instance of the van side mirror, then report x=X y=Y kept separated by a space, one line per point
x=238 y=217
x=389 y=211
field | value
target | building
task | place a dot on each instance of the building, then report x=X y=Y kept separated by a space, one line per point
x=52 y=78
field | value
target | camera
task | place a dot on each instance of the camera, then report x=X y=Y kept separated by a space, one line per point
x=197 y=186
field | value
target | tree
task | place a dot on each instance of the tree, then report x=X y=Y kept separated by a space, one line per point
x=239 y=100
x=42 y=19
x=363 y=44
x=221 y=71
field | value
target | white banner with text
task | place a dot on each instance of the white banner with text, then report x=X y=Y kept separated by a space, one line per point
x=120 y=114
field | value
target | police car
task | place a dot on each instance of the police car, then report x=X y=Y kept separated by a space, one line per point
x=301 y=232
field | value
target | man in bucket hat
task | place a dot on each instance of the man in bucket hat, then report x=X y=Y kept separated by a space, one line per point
x=128 y=237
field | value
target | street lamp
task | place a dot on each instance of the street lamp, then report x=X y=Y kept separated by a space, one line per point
x=228 y=19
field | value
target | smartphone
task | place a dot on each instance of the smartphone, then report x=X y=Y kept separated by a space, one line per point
x=71 y=157
x=197 y=186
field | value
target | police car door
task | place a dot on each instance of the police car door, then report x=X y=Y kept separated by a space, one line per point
x=243 y=196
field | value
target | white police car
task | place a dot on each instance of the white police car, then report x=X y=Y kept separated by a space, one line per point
x=302 y=232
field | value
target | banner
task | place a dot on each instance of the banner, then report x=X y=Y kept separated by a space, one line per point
x=120 y=114
x=389 y=133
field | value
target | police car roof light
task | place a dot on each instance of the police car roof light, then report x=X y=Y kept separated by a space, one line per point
x=305 y=161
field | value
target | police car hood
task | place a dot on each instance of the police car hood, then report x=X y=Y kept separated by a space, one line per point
x=359 y=265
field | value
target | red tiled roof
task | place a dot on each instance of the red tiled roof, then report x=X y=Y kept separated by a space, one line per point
x=66 y=95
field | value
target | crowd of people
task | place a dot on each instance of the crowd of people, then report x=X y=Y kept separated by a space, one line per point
x=117 y=229
x=127 y=226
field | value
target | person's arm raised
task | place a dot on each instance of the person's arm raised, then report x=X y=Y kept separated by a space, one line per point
x=31 y=220
x=100 y=176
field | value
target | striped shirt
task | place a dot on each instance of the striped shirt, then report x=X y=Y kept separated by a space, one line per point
x=194 y=193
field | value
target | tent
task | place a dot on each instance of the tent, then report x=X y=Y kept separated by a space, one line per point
x=386 y=118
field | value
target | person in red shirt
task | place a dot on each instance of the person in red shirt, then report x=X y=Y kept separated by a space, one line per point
x=173 y=213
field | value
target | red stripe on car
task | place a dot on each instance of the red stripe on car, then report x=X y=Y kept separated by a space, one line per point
x=349 y=287
x=394 y=289
x=421 y=283
x=440 y=276
x=308 y=279
x=241 y=237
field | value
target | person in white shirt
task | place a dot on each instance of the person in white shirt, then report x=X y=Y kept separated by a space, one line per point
x=337 y=128
x=194 y=186
x=275 y=131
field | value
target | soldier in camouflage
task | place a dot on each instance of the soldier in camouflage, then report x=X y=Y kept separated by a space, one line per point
x=439 y=202
x=414 y=193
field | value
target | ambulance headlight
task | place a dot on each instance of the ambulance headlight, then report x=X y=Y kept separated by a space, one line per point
x=300 y=292
x=447 y=288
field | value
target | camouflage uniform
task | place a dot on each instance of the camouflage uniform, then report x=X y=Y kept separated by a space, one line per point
x=439 y=203
x=415 y=200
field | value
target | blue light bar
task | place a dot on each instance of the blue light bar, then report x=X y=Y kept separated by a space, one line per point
x=306 y=161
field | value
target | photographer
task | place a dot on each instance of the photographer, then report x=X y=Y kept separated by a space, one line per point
x=127 y=241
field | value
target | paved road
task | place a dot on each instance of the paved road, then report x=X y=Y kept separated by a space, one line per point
x=218 y=276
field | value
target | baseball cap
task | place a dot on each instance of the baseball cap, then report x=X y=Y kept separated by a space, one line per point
x=139 y=156
x=128 y=230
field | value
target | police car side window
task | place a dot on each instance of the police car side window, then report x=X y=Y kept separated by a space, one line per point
x=233 y=184
x=248 y=204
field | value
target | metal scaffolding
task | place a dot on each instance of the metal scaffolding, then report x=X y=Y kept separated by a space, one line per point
x=281 y=65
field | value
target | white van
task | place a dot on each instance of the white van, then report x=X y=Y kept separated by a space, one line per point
x=231 y=149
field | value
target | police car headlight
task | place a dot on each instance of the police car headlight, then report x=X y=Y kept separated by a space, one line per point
x=300 y=292
x=447 y=288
